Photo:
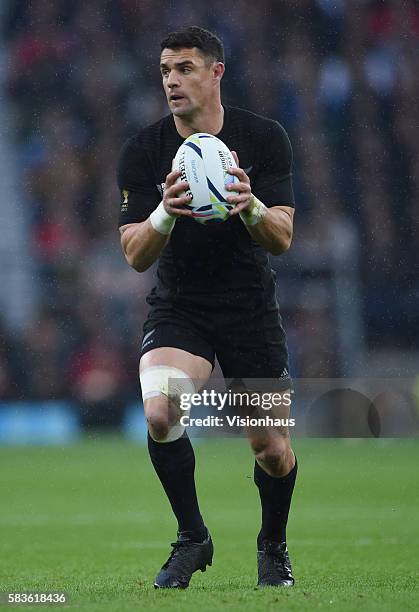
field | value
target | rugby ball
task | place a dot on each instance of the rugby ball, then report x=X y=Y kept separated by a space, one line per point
x=203 y=161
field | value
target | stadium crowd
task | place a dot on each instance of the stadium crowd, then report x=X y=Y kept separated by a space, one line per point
x=340 y=75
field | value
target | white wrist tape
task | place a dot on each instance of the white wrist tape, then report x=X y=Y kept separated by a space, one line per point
x=254 y=213
x=161 y=220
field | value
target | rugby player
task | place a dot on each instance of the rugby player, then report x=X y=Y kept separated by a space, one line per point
x=215 y=291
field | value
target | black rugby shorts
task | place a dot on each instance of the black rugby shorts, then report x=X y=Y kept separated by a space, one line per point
x=250 y=343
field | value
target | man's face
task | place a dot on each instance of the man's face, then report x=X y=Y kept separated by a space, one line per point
x=188 y=80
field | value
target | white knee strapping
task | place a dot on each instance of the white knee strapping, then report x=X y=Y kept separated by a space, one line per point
x=155 y=381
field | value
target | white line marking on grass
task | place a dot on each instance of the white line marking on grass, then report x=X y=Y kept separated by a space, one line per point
x=333 y=541
x=83 y=518
x=138 y=545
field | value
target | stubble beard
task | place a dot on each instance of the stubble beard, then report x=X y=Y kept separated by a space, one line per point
x=186 y=112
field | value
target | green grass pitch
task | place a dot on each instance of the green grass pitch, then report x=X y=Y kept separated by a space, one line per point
x=90 y=519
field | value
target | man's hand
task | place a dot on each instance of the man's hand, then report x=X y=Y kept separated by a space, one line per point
x=173 y=204
x=244 y=197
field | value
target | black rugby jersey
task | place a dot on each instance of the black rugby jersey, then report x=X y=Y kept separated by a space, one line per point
x=219 y=259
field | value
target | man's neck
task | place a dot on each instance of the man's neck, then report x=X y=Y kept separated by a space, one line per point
x=209 y=121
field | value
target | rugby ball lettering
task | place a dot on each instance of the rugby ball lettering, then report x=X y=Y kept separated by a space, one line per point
x=203 y=161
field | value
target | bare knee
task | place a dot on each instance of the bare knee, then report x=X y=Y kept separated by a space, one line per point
x=274 y=455
x=156 y=411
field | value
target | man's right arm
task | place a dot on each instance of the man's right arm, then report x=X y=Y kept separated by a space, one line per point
x=143 y=242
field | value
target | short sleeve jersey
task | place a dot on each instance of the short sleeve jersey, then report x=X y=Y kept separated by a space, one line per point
x=219 y=259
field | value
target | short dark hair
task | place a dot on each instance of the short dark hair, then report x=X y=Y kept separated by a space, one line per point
x=193 y=36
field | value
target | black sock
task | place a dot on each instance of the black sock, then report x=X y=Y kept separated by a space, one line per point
x=275 y=497
x=174 y=463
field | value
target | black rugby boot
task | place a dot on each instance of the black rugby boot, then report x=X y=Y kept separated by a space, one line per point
x=274 y=565
x=186 y=558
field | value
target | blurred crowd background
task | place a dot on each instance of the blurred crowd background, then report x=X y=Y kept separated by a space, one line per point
x=80 y=77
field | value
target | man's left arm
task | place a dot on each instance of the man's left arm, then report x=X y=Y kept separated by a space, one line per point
x=269 y=220
x=270 y=227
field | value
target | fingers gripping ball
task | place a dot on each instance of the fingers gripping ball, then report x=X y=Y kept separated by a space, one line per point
x=203 y=161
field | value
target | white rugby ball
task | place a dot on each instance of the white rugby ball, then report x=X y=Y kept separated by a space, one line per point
x=204 y=160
